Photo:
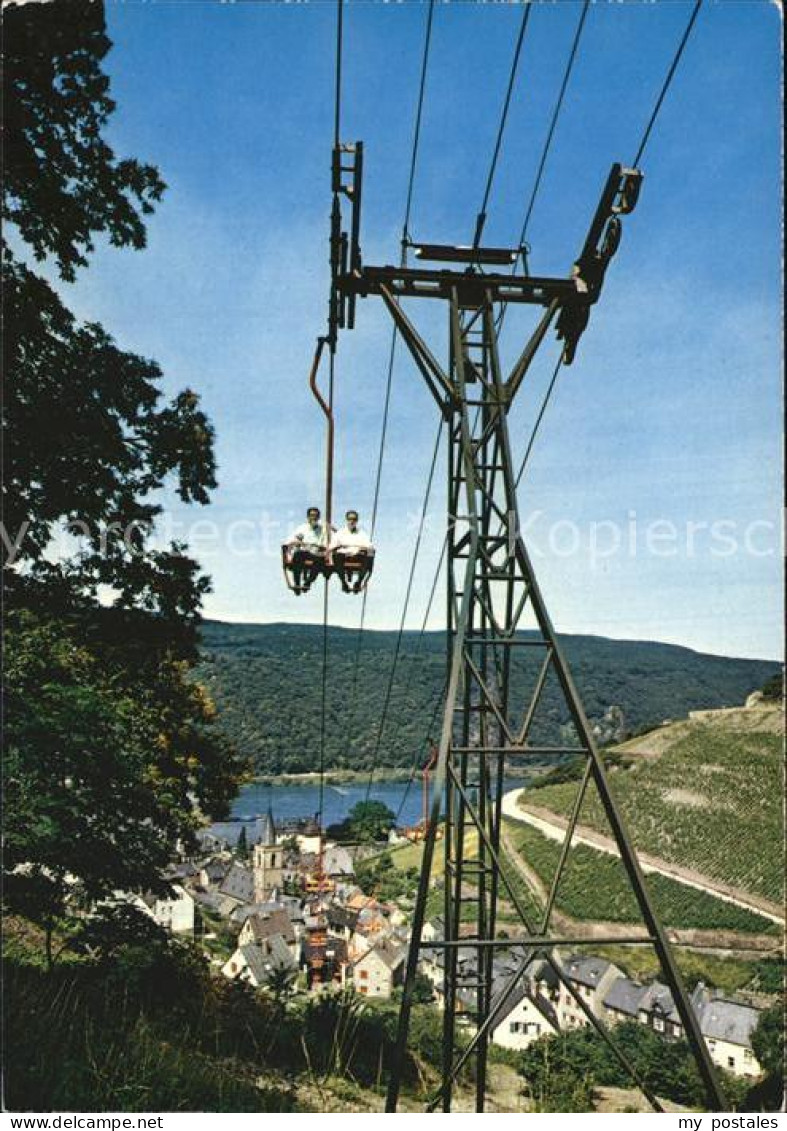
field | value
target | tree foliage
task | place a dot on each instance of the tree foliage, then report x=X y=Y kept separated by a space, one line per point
x=111 y=748
x=106 y=768
x=367 y=821
x=551 y=1062
x=378 y=876
x=63 y=183
x=263 y=680
x=767 y=1041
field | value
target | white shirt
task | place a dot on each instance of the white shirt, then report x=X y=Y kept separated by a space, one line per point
x=308 y=535
x=351 y=539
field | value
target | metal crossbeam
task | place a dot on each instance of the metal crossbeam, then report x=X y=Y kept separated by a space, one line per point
x=470 y=286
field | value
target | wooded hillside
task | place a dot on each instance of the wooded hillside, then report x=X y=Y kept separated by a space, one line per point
x=265 y=679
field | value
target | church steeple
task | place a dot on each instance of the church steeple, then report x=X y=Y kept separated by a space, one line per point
x=267 y=829
x=268 y=860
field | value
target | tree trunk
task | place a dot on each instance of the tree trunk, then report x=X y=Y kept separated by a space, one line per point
x=49 y=930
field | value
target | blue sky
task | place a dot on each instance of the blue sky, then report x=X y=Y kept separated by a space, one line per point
x=671 y=412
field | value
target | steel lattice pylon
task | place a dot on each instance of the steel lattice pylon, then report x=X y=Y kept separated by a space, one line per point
x=491 y=589
x=488 y=722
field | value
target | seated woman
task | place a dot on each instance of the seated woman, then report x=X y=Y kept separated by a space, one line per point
x=352 y=553
x=306 y=550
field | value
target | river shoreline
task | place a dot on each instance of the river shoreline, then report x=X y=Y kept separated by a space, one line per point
x=332 y=777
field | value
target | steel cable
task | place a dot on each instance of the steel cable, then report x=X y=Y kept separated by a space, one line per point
x=554 y=121
x=324 y=680
x=539 y=418
x=421 y=746
x=545 y=151
x=481 y=218
x=668 y=80
x=394 y=335
x=643 y=143
x=408 y=592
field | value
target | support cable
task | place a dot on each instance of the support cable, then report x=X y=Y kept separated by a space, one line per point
x=408 y=592
x=635 y=163
x=416 y=650
x=417 y=130
x=332 y=365
x=394 y=335
x=481 y=218
x=337 y=112
x=545 y=153
x=554 y=121
x=421 y=746
x=539 y=418
x=667 y=82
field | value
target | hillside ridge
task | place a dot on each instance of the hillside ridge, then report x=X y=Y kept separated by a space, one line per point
x=438 y=634
x=266 y=682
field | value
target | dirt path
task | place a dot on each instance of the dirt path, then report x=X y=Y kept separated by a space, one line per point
x=553 y=826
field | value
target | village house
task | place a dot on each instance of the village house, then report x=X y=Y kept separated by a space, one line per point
x=657 y=1011
x=338 y=863
x=174 y=912
x=236 y=888
x=622 y=1000
x=591 y=978
x=342 y=922
x=377 y=972
x=308 y=843
x=523 y=1018
x=727 y=1027
x=258 y=929
x=324 y=959
x=211 y=872
x=255 y=963
x=239 y=915
x=650 y=1005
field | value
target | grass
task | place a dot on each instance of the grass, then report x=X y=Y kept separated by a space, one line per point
x=77 y=1049
x=146 y=1028
x=711 y=801
x=641 y=964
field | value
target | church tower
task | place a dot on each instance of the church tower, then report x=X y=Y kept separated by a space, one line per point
x=268 y=861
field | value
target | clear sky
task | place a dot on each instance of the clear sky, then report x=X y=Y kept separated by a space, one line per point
x=672 y=410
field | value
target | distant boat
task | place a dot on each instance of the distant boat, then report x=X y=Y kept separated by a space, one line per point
x=343 y=792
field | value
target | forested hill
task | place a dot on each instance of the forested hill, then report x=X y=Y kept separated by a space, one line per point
x=266 y=681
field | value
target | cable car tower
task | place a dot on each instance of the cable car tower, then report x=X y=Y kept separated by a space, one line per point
x=490 y=720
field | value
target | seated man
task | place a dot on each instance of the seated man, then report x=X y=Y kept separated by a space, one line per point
x=308 y=545
x=350 y=542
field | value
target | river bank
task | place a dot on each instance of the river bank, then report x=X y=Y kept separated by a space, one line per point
x=298 y=796
x=332 y=777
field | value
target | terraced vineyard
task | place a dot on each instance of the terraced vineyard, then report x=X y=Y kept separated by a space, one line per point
x=594 y=886
x=702 y=794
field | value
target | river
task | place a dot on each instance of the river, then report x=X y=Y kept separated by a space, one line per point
x=289 y=801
